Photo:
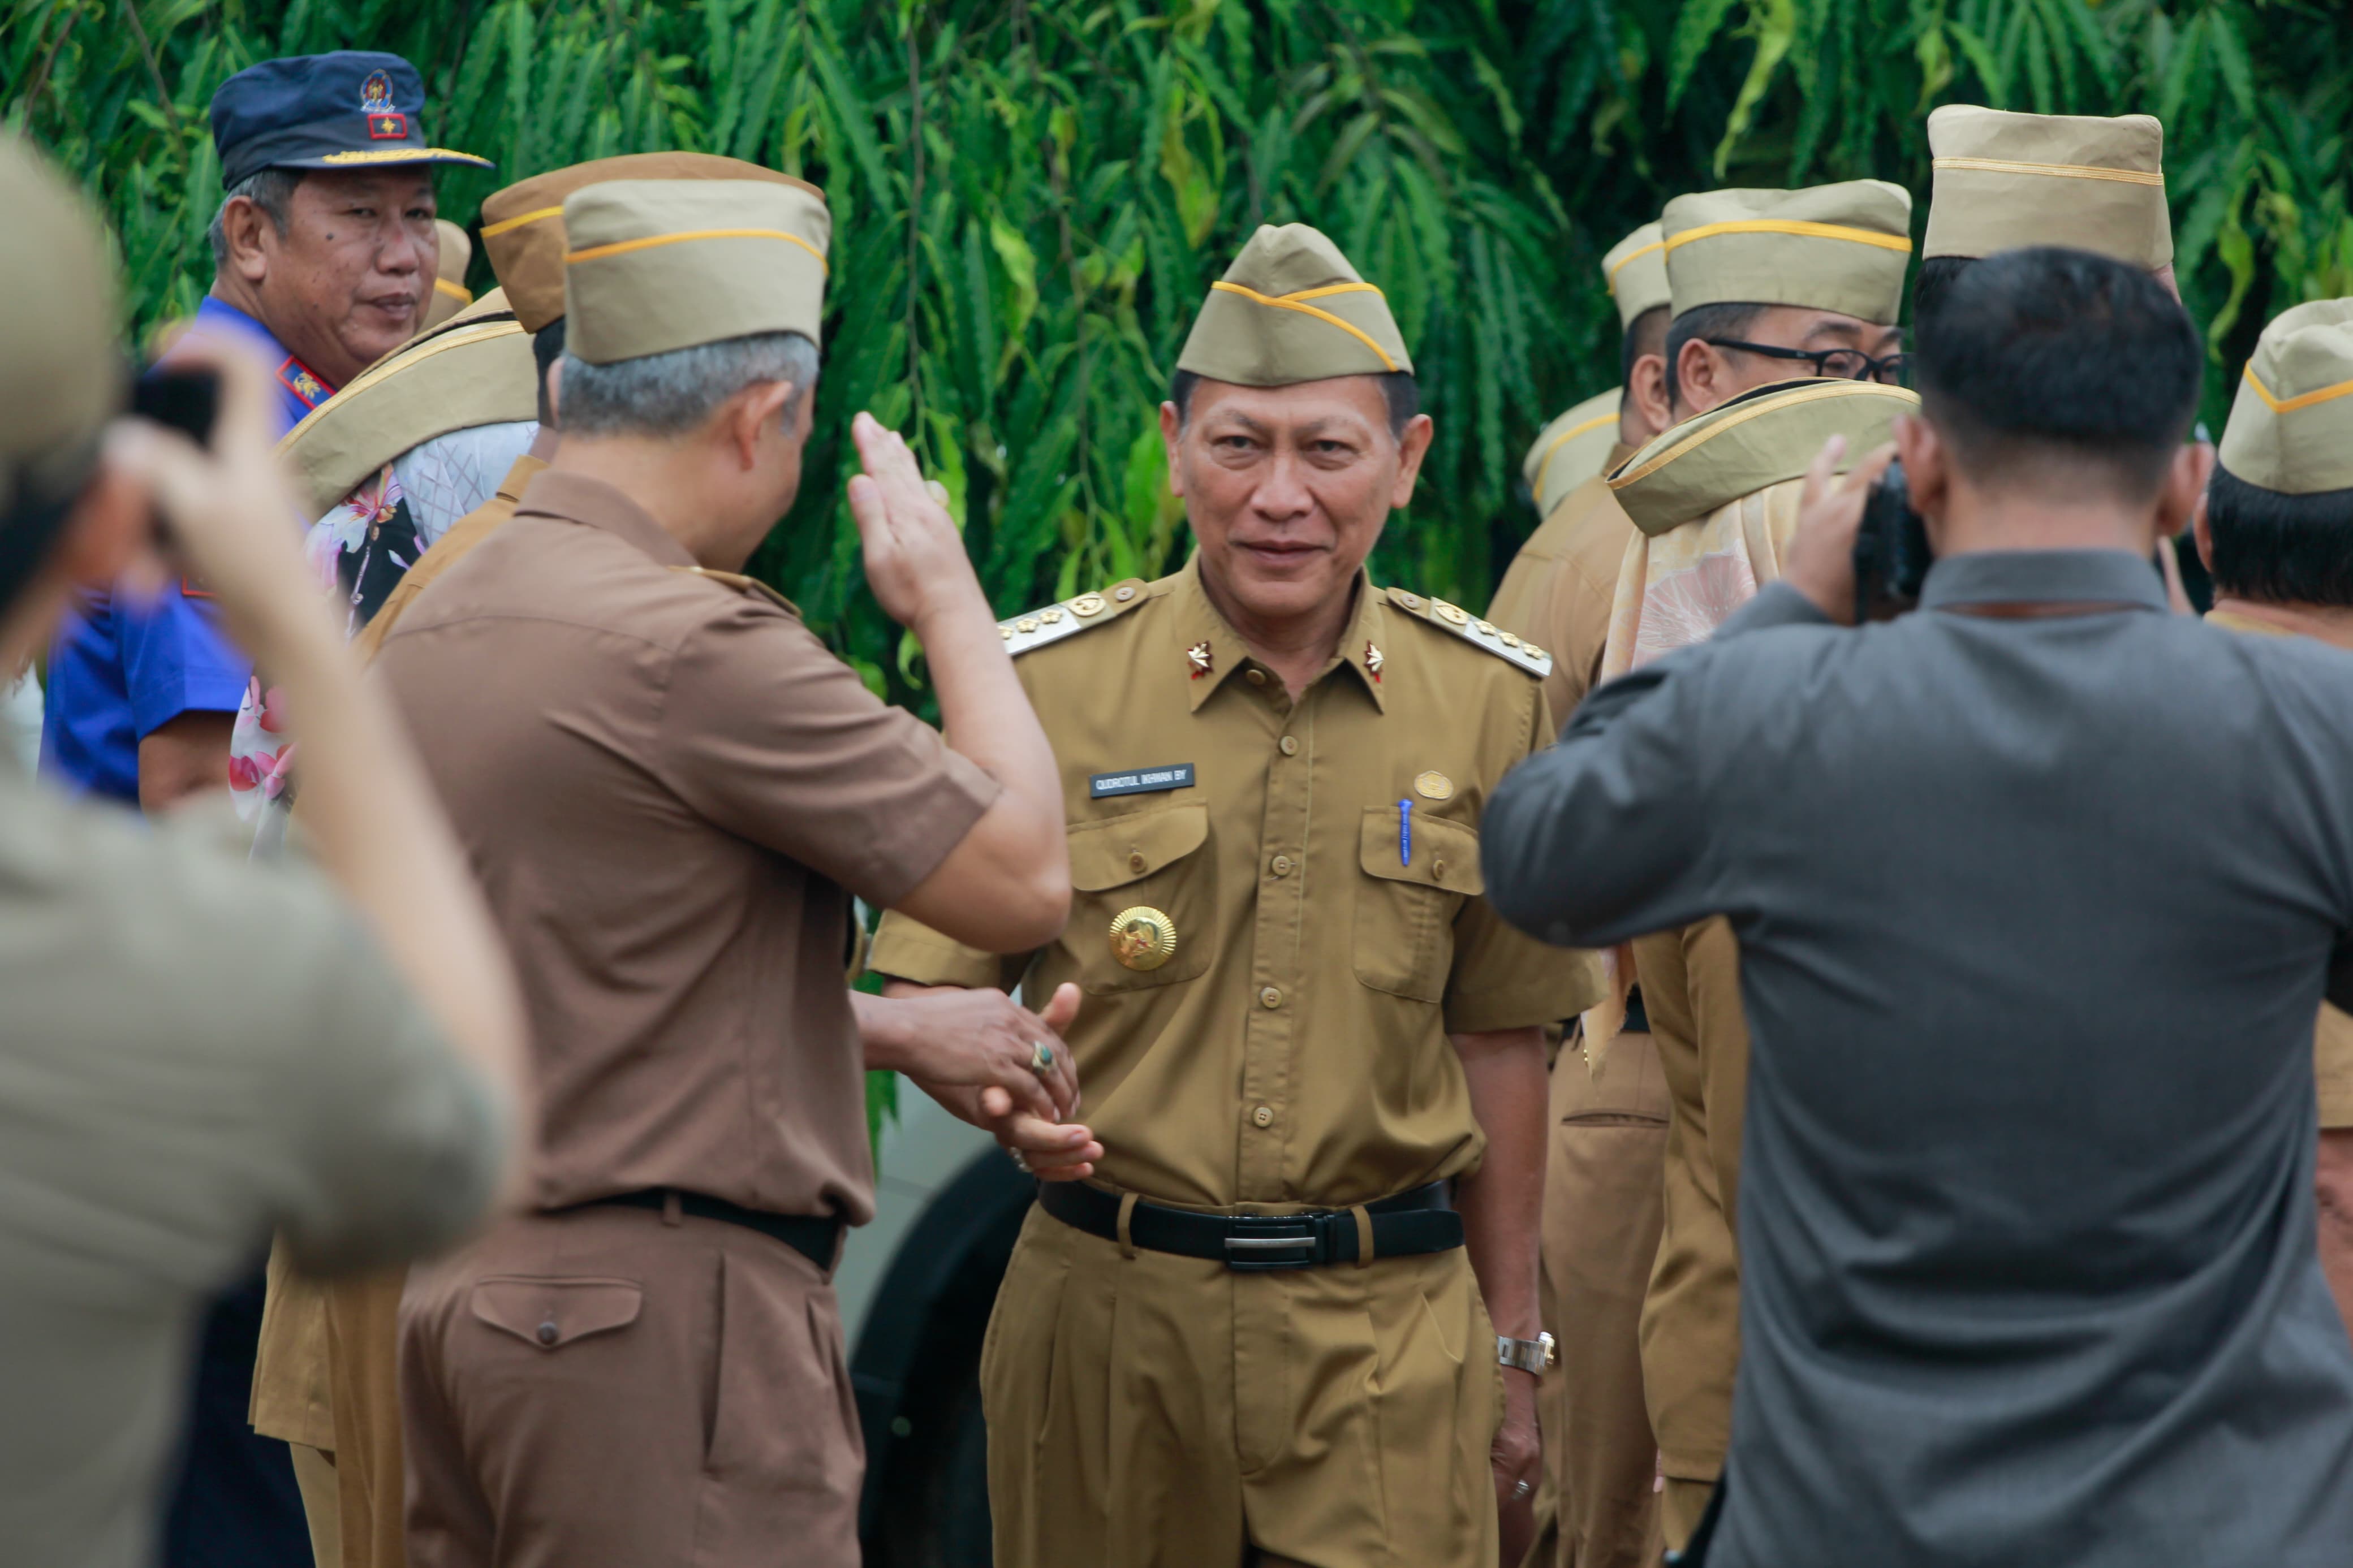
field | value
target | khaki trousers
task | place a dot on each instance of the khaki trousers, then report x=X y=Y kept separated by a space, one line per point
x=363 y=1349
x=1151 y=1411
x=1603 y=1217
x=616 y=1388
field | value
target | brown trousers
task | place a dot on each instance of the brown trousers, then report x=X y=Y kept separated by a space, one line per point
x=1603 y=1215
x=1162 y=1412
x=617 y=1388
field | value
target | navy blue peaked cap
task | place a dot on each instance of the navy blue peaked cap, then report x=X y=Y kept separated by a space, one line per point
x=353 y=109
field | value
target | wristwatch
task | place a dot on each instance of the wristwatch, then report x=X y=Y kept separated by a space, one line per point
x=1537 y=1355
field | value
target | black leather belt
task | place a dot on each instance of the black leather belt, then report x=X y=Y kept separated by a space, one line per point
x=1404 y=1225
x=815 y=1238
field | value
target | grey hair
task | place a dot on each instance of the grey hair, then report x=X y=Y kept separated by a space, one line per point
x=272 y=190
x=671 y=393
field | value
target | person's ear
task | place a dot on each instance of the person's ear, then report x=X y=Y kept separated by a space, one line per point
x=1927 y=472
x=1412 y=447
x=1171 y=434
x=1695 y=380
x=2179 y=501
x=752 y=414
x=2203 y=532
x=1646 y=395
x=242 y=225
x=555 y=391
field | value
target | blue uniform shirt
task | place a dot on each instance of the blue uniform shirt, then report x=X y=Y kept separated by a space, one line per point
x=120 y=668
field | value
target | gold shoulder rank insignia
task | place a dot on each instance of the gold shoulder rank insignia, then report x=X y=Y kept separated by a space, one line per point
x=1027 y=634
x=742 y=585
x=1454 y=618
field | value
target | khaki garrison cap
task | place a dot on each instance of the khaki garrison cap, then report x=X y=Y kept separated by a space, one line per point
x=523 y=226
x=61 y=365
x=2291 y=429
x=1289 y=309
x=1742 y=447
x=2005 y=180
x=1841 y=247
x=1636 y=267
x=450 y=294
x=1571 y=449
x=661 y=265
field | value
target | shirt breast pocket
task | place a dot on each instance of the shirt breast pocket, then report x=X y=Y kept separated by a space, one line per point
x=1143 y=900
x=1405 y=913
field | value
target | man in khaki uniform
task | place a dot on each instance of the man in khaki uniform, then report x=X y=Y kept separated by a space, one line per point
x=2276 y=530
x=671 y=794
x=1258 y=1335
x=1820 y=273
x=1608 y=1116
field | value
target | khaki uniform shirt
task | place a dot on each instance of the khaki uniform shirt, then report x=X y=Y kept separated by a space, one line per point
x=1560 y=586
x=1292 y=1048
x=446 y=551
x=2332 y=1040
x=166 y=1102
x=670 y=789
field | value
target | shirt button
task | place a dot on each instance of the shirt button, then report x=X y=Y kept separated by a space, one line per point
x=547 y=1334
x=1264 y=1115
x=1280 y=864
x=1438 y=869
x=1255 y=676
x=1136 y=862
x=1290 y=744
x=1270 y=997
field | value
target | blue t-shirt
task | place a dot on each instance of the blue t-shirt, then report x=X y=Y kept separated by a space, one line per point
x=121 y=668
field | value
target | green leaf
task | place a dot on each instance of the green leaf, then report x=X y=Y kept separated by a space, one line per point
x=1696 y=27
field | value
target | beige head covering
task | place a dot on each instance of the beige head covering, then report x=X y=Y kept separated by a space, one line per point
x=523 y=226
x=1841 y=248
x=450 y=294
x=2291 y=429
x=2005 y=180
x=1289 y=309
x=661 y=265
x=61 y=365
x=1636 y=267
x=1571 y=449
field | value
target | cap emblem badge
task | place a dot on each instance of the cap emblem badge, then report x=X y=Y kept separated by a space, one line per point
x=384 y=123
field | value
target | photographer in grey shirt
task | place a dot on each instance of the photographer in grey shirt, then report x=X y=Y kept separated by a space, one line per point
x=2037 y=890
x=194 y=1050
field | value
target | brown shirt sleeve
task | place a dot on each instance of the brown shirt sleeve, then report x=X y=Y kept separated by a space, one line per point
x=768 y=735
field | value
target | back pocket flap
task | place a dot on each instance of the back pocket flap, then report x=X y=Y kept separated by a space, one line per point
x=554 y=1312
x=1445 y=854
x=1121 y=849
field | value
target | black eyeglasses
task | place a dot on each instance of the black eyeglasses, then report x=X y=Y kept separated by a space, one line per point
x=1843 y=365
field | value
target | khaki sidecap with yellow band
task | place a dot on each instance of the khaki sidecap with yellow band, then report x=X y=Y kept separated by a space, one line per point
x=1290 y=308
x=2003 y=180
x=661 y=265
x=1773 y=434
x=2291 y=427
x=63 y=376
x=1636 y=267
x=523 y=226
x=1571 y=449
x=1841 y=247
x=450 y=294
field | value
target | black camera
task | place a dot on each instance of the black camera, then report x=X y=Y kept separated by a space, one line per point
x=1890 y=550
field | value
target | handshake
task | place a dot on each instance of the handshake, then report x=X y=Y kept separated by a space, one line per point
x=991 y=1062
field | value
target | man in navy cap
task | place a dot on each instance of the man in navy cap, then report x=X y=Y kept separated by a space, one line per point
x=324 y=258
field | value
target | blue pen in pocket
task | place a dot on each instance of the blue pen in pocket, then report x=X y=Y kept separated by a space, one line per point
x=1405 y=833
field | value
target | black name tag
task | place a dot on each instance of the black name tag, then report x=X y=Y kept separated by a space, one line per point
x=1141 y=780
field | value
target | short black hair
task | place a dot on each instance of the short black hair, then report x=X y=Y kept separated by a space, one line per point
x=546 y=348
x=1934 y=279
x=1726 y=321
x=2286 y=549
x=1645 y=334
x=2049 y=353
x=1398 y=390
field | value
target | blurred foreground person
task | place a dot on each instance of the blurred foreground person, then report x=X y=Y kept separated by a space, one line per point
x=148 y=1145
x=2037 y=890
x=671 y=792
x=2275 y=531
x=1261 y=1333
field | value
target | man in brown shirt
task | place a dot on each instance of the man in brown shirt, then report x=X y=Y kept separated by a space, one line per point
x=1297 y=1004
x=671 y=792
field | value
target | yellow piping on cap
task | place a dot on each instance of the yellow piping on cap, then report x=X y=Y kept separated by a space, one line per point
x=504 y=224
x=458 y=292
x=1629 y=259
x=1790 y=226
x=1618 y=481
x=621 y=247
x=1292 y=302
x=404 y=155
x=2060 y=171
x=2290 y=405
x=1566 y=436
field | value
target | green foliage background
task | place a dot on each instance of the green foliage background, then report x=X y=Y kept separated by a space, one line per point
x=1031 y=195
